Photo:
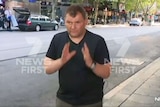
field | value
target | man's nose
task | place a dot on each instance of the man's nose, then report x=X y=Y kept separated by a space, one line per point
x=73 y=25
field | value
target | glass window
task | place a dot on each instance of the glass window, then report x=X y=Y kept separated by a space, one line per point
x=34 y=18
x=66 y=0
x=48 y=19
x=42 y=19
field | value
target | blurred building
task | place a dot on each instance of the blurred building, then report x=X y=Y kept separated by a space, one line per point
x=62 y=6
x=34 y=7
x=56 y=8
x=43 y=7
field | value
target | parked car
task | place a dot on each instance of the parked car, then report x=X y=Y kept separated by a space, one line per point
x=135 y=22
x=156 y=18
x=27 y=21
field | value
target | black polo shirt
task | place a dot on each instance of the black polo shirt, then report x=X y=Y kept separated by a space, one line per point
x=78 y=84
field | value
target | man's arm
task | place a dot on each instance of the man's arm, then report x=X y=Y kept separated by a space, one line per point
x=102 y=70
x=51 y=66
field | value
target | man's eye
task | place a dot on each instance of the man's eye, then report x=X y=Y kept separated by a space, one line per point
x=69 y=22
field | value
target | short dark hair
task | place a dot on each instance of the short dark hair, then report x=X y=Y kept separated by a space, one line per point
x=73 y=10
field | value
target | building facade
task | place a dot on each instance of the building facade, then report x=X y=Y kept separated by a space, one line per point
x=33 y=7
x=62 y=6
x=43 y=7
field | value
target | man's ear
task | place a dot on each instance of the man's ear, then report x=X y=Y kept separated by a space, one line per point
x=86 y=21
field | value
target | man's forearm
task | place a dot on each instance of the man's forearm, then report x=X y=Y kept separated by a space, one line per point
x=102 y=71
x=51 y=66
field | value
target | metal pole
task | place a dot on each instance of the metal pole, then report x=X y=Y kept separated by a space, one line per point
x=105 y=15
x=54 y=2
x=39 y=6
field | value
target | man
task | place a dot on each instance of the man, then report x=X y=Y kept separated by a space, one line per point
x=2 y=17
x=8 y=14
x=82 y=60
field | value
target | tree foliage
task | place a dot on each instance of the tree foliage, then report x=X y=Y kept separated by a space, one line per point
x=145 y=6
x=137 y=6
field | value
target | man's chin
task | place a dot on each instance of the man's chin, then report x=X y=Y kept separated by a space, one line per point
x=73 y=35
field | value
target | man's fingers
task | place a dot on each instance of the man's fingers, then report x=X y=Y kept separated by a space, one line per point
x=67 y=55
x=82 y=50
x=72 y=53
x=85 y=48
x=86 y=55
x=66 y=47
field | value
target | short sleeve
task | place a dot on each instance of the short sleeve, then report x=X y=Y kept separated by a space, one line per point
x=101 y=54
x=52 y=50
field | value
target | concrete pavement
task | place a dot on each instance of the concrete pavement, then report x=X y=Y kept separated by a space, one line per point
x=140 y=90
x=121 y=25
x=98 y=25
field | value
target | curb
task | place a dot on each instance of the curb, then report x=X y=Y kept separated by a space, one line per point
x=123 y=91
x=107 y=25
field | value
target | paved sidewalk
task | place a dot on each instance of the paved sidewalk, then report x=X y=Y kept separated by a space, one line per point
x=140 y=90
x=107 y=25
x=119 y=25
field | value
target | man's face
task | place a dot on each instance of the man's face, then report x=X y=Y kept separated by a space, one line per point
x=75 y=25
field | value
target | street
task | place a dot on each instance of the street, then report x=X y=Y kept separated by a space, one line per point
x=22 y=77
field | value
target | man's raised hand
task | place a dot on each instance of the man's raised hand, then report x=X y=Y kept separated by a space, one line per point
x=66 y=54
x=86 y=55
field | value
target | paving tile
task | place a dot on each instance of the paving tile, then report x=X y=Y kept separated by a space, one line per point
x=115 y=101
x=158 y=73
x=130 y=88
x=142 y=99
x=130 y=103
x=148 y=92
x=157 y=104
x=151 y=85
x=155 y=78
x=150 y=88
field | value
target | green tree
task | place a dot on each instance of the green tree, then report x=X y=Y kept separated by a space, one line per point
x=77 y=1
x=96 y=4
x=148 y=6
x=145 y=6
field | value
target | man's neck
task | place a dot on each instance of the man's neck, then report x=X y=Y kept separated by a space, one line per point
x=77 y=40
